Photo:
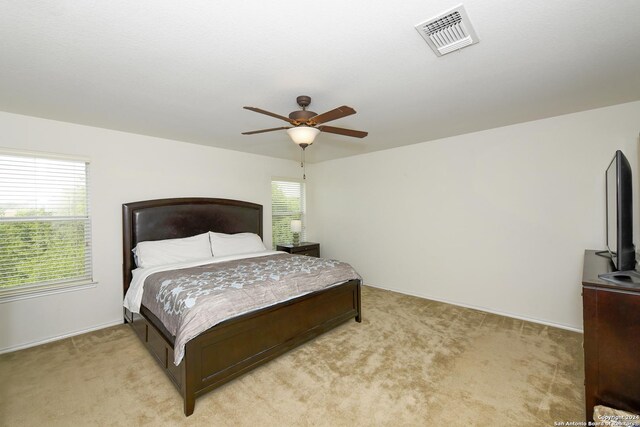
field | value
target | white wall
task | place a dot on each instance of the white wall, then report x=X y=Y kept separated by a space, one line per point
x=124 y=168
x=496 y=220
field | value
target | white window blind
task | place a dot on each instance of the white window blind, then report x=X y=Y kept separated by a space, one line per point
x=287 y=203
x=45 y=227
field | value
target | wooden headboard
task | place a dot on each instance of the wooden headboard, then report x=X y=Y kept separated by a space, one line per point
x=183 y=217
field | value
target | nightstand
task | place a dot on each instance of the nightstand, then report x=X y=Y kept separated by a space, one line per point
x=303 y=248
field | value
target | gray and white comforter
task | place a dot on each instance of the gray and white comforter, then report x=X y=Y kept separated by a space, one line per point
x=189 y=301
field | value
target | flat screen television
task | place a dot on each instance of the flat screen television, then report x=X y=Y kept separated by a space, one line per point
x=620 y=213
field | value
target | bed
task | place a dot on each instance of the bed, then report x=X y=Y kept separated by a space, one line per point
x=237 y=345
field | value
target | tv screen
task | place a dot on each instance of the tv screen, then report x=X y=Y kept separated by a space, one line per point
x=620 y=213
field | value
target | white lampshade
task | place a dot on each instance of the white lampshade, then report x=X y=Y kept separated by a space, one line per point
x=303 y=134
x=296 y=226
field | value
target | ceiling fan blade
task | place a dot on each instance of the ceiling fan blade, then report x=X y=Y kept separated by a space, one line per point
x=269 y=113
x=265 y=130
x=336 y=113
x=342 y=131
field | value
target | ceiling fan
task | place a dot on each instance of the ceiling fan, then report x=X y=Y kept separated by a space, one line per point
x=305 y=123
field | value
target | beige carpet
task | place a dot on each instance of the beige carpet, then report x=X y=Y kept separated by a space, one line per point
x=411 y=362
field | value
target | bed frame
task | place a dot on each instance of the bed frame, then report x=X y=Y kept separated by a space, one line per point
x=237 y=345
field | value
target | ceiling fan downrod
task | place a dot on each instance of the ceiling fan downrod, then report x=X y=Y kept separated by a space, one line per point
x=302 y=165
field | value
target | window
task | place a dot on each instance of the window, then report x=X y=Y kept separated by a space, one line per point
x=287 y=203
x=45 y=228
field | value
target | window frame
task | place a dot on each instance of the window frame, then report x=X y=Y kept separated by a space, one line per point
x=302 y=212
x=58 y=285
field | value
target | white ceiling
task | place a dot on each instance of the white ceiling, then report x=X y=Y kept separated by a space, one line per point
x=184 y=69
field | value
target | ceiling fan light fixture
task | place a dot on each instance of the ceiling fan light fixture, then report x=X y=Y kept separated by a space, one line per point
x=303 y=135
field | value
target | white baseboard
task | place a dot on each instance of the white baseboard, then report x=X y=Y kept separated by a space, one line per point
x=59 y=337
x=485 y=309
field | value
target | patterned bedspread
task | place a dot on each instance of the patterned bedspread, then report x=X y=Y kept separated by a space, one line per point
x=191 y=300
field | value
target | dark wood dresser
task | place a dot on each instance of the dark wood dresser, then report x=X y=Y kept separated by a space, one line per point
x=303 y=248
x=611 y=339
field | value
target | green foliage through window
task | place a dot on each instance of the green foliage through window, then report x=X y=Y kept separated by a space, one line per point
x=41 y=251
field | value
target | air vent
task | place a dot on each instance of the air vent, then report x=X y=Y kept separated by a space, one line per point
x=449 y=31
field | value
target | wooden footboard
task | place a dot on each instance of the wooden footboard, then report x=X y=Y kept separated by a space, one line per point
x=238 y=345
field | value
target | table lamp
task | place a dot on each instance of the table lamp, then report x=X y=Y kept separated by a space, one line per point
x=296 y=228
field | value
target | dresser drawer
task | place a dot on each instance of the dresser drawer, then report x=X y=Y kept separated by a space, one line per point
x=309 y=252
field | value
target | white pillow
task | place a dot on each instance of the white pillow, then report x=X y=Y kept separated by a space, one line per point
x=170 y=251
x=235 y=244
